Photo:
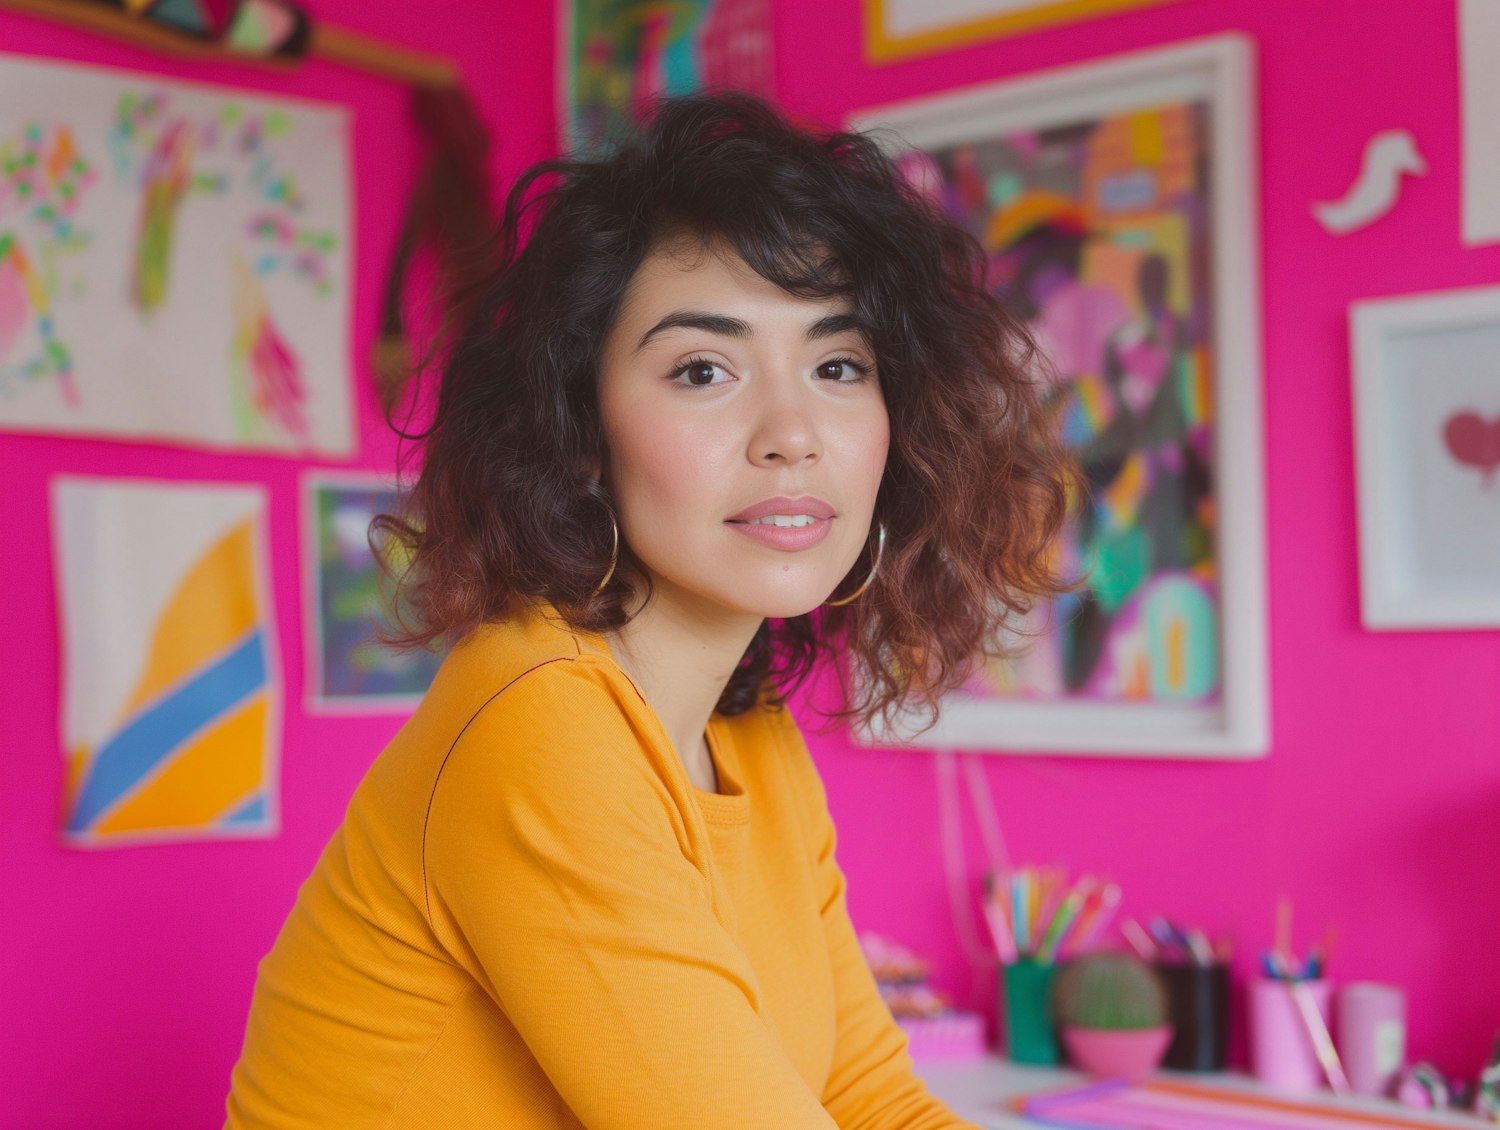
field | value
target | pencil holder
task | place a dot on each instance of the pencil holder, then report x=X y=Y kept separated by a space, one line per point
x=1198 y=1001
x=1027 y=1008
x=1282 y=1051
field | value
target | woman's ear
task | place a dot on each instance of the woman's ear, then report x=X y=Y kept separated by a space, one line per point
x=594 y=465
x=591 y=467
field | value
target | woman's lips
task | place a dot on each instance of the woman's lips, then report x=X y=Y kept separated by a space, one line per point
x=807 y=504
x=785 y=537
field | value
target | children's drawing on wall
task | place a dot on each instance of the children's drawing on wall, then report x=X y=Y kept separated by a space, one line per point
x=351 y=601
x=622 y=53
x=1097 y=233
x=171 y=708
x=173 y=262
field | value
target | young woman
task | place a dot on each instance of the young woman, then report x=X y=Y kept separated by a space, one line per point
x=737 y=400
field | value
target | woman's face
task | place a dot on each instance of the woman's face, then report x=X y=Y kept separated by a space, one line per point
x=747 y=434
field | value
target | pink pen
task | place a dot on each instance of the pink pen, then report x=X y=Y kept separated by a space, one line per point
x=1101 y=914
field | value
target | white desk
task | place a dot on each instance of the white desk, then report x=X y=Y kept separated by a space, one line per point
x=979 y=1092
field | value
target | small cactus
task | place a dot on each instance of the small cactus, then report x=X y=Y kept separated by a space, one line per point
x=1109 y=990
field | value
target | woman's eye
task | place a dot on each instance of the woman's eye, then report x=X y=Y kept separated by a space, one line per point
x=701 y=373
x=843 y=369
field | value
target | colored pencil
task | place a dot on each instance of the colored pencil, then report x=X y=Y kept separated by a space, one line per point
x=1097 y=915
x=1139 y=940
x=1064 y=917
x=1312 y=1020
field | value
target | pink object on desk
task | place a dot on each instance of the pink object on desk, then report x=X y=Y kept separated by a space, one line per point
x=1170 y=1105
x=1127 y=1053
x=1282 y=1052
x=951 y=1037
x=1370 y=1030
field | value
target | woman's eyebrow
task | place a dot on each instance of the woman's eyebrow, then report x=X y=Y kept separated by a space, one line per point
x=696 y=320
x=829 y=325
x=834 y=324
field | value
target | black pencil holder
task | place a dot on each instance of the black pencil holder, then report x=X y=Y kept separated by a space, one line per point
x=1198 y=996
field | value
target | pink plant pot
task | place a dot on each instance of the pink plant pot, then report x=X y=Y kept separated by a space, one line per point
x=1117 y=1053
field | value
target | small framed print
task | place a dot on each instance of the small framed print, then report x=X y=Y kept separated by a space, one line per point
x=1427 y=449
x=349 y=601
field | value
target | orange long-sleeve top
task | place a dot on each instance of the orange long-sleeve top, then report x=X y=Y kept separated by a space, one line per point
x=531 y=917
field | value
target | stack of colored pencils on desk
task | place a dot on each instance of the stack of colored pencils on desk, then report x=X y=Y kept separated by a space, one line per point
x=1035 y=914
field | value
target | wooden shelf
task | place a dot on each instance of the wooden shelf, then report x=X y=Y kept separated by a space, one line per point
x=328 y=42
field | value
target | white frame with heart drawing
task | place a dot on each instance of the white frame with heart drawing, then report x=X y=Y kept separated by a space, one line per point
x=1429 y=512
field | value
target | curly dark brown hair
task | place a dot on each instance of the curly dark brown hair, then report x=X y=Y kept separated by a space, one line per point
x=505 y=510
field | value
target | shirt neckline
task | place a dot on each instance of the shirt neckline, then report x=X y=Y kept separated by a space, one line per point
x=732 y=804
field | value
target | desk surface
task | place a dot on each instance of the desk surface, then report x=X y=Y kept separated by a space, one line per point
x=979 y=1092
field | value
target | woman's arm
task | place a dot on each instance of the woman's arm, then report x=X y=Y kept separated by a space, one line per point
x=871 y=1084
x=562 y=873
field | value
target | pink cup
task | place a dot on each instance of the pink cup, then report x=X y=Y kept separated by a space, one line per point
x=1282 y=1053
x=1371 y=1035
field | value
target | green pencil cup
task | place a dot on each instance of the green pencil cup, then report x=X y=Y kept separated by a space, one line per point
x=1027 y=1007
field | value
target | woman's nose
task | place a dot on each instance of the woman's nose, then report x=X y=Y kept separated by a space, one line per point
x=785 y=431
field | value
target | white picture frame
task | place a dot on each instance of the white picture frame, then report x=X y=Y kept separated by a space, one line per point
x=1217 y=71
x=1428 y=496
x=1479 y=66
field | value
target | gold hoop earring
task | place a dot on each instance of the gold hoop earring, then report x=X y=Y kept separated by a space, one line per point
x=874 y=569
x=614 y=558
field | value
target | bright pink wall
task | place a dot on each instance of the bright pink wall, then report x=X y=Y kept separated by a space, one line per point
x=126 y=974
x=1378 y=810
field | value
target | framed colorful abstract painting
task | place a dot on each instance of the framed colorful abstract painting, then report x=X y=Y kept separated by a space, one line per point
x=171 y=717
x=619 y=54
x=174 y=262
x=899 y=29
x=1116 y=203
x=1427 y=435
x=349 y=601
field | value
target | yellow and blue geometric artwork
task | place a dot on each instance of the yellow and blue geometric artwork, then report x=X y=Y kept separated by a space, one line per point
x=171 y=706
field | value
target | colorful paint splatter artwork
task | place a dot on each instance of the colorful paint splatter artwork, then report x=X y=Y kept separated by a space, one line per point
x=623 y=53
x=171 y=694
x=173 y=262
x=1098 y=234
x=351 y=602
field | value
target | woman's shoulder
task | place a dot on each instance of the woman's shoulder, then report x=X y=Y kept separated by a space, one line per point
x=528 y=678
x=536 y=649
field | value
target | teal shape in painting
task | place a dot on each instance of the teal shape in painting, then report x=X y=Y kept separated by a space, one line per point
x=1121 y=560
x=1182 y=629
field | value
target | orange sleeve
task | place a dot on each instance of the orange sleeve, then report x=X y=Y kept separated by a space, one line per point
x=872 y=1084
x=562 y=872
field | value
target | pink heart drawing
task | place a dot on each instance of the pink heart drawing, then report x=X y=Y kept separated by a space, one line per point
x=1474 y=440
